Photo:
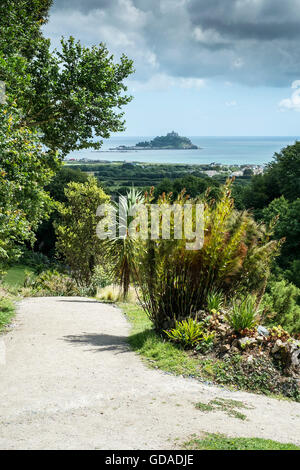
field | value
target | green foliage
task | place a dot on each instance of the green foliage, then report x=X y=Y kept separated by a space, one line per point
x=236 y=256
x=77 y=241
x=189 y=334
x=25 y=168
x=71 y=95
x=221 y=442
x=20 y=25
x=102 y=276
x=260 y=376
x=193 y=185
x=280 y=306
x=215 y=300
x=7 y=311
x=121 y=250
x=243 y=313
x=51 y=283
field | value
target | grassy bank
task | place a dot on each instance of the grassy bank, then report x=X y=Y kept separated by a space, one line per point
x=158 y=352
x=220 y=442
x=235 y=372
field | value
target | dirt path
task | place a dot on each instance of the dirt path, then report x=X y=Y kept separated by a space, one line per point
x=70 y=382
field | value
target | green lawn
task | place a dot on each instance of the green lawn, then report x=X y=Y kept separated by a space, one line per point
x=16 y=275
x=221 y=442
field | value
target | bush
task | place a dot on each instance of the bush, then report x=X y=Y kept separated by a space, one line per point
x=51 y=283
x=189 y=334
x=214 y=300
x=112 y=293
x=243 y=314
x=235 y=257
x=280 y=306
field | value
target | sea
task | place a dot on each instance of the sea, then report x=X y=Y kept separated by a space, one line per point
x=224 y=150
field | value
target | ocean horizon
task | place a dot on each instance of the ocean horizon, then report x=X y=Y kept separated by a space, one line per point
x=224 y=150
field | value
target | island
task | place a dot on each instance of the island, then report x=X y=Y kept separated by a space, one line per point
x=171 y=141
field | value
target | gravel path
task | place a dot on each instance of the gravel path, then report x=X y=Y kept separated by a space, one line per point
x=70 y=382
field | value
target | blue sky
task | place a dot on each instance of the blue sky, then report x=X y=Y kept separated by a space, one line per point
x=203 y=67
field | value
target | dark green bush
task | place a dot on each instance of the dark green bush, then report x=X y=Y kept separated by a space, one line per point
x=280 y=306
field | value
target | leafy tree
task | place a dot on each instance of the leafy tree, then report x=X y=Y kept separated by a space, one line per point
x=45 y=235
x=65 y=176
x=24 y=171
x=288 y=227
x=77 y=241
x=71 y=95
x=20 y=25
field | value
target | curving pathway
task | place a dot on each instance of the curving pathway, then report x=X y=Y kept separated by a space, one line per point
x=70 y=382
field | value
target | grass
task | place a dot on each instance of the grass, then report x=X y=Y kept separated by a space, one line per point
x=160 y=353
x=225 y=405
x=15 y=276
x=234 y=372
x=7 y=311
x=221 y=442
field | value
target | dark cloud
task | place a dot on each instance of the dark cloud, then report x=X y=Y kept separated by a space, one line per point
x=253 y=42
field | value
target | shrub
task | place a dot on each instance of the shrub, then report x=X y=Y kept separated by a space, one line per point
x=235 y=257
x=77 y=239
x=51 y=283
x=112 y=293
x=243 y=313
x=280 y=306
x=215 y=300
x=189 y=333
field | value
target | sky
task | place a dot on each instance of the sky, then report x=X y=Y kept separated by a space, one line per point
x=202 y=67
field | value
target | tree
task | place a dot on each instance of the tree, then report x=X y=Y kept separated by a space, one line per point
x=20 y=25
x=24 y=171
x=288 y=227
x=71 y=95
x=120 y=251
x=77 y=241
x=45 y=235
x=281 y=178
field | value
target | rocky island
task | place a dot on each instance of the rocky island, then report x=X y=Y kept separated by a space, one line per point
x=172 y=141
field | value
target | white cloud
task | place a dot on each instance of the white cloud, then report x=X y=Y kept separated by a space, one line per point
x=292 y=103
x=162 y=82
x=231 y=104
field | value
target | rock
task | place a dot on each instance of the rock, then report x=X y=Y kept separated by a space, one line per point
x=277 y=346
x=260 y=339
x=250 y=359
x=225 y=348
x=246 y=342
x=295 y=355
x=262 y=331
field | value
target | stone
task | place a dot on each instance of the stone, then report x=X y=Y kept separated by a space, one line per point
x=246 y=342
x=260 y=339
x=225 y=348
x=277 y=346
x=250 y=359
x=262 y=331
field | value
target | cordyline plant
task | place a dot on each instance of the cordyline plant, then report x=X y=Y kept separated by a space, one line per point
x=173 y=282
